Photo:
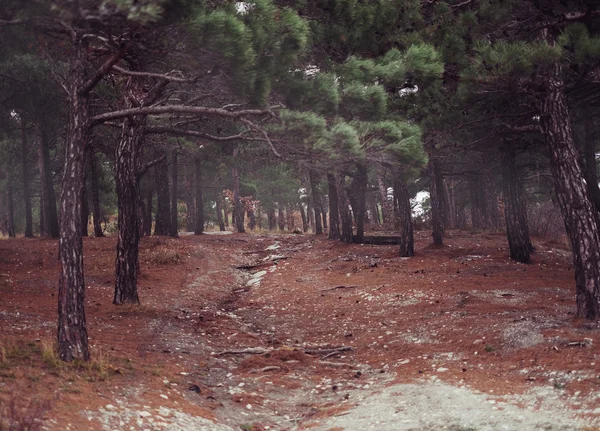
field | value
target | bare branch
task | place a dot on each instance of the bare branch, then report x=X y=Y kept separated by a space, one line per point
x=197 y=134
x=150 y=164
x=263 y=132
x=179 y=109
x=104 y=69
x=162 y=76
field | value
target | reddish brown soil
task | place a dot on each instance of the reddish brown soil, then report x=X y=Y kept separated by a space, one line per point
x=462 y=312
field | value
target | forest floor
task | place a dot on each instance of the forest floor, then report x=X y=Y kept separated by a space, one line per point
x=320 y=336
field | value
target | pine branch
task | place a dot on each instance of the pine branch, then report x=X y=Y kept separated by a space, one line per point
x=163 y=76
x=150 y=164
x=104 y=69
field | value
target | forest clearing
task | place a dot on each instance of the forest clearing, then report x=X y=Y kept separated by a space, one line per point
x=463 y=337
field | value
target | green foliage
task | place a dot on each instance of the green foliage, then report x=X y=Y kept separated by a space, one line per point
x=364 y=102
x=575 y=39
x=342 y=142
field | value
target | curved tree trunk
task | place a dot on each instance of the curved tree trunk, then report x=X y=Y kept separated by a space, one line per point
x=572 y=194
x=515 y=212
x=72 y=331
x=316 y=201
x=174 y=226
x=407 y=241
x=199 y=201
x=334 y=213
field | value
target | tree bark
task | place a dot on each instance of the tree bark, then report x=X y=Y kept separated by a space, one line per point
x=437 y=211
x=199 y=201
x=289 y=218
x=316 y=201
x=280 y=218
x=334 y=213
x=344 y=209
x=572 y=194
x=358 y=200
x=163 y=217
x=407 y=242
x=26 y=182
x=174 y=226
x=10 y=211
x=50 y=214
x=127 y=185
x=95 y=193
x=515 y=211
x=219 y=204
x=237 y=201
x=304 y=220
x=272 y=219
x=85 y=208
x=72 y=331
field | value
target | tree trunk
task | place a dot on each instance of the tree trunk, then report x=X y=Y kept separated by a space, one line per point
x=437 y=211
x=407 y=242
x=10 y=210
x=163 y=217
x=334 y=213
x=174 y=226
x=515 y=211
x=148 y=211
x=344 y=209
x=199 y=210
x=237 y=202
x=95 y=193
x=304 y=220
x=26 y=182
x=190 y=195
x=386 y=205
x=316 y=201
x=289 y=217
x=280 y=218
x=479 y=213
x=572 y=194
x=589 y=157
x=219 y=209
x=127 y=185
x=48 y=196
x=72 y=331
x=85 y=208
x=358 y=200
x=251 y=218
x=452 y=214
x=272 y=219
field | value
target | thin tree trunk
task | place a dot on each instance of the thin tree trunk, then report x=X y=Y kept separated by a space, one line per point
x=344 y=210
x=163 y=216
x=26 y=182
x=44 y=219
x=358 y=200
x=407 y=242
x=272 y=219
x=199 y=210
x=572 y=194
x=85 y=208
x=304 y=220
x=334 y=213
x=316 y=200
x=251 y=218
x=280 y=218
x=174 y=226
x=95 y=194
x=218 y=203
x=72 y=331
x=515 y=212
x=289 y=217
x=452 y=214
x=10 y=211
x=237 y=202
x=437 y=217
x=127 y=185
x=386 y=207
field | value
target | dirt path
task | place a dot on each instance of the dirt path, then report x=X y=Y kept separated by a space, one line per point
x=341 y=337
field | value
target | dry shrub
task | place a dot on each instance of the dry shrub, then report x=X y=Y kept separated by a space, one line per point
x=18 y=413
x=546 y=223
x=163 y=255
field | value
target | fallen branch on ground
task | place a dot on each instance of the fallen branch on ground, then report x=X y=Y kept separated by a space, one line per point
x=352 y=286
x=265 y=369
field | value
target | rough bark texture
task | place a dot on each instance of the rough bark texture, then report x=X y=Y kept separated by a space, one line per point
x=26 y=182
x=316 y=202
x=407 y=242
x=163 y=217
x=334 y=213
x=95 y=191
x=572 y=194
x=199 y=201
x=515 y=211
x=437 y=211
x=127 y=185
x=237 y=202
x=174 y=226
x=72 y=331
